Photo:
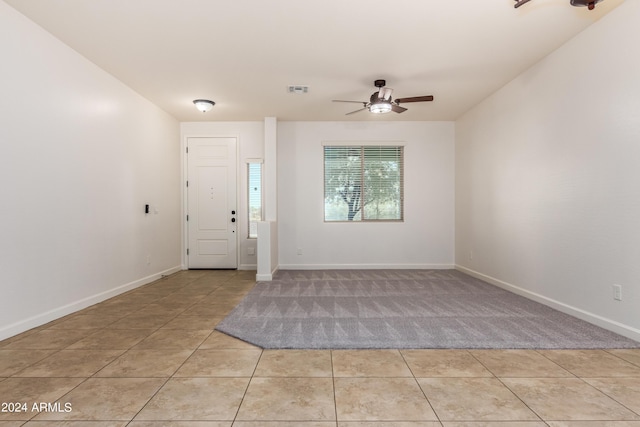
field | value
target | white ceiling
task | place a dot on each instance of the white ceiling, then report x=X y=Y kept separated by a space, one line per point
x=243 y=54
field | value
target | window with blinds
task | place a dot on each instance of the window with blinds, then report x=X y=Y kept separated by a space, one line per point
x=363 y=183
x=254 y=190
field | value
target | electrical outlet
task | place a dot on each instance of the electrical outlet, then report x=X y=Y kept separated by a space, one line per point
x=299 y=251
x=470 y=255
x=617 y=292
x=148 y=259
x=251 y=251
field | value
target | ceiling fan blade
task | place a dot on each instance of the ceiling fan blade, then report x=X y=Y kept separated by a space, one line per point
x=355 y=102
x=398 y=109
x=414 y=99
x=385 y=93
x=520 y=3
x=357 y=111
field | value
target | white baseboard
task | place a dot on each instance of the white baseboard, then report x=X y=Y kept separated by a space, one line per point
x=366 y=266
x=603 y=322
x=56 y=313
x=248 y=267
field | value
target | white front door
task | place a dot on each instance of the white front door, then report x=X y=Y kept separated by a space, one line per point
x=211 y=203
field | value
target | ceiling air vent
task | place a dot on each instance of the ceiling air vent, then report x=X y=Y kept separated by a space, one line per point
x=297 y=89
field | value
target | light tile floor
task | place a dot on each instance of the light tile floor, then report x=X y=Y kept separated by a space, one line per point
x=151 y=357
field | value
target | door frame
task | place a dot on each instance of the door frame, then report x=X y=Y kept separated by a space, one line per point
x=184 y=165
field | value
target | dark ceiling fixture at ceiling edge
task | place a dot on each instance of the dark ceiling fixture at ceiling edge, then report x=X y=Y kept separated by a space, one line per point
x=591 y=4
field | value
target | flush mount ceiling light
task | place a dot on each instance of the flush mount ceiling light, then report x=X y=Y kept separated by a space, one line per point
x=203 y=105
x=591 y=4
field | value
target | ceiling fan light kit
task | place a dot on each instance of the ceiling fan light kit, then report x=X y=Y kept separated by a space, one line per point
x=590 y=4
x=381 y=102
x=380 y=107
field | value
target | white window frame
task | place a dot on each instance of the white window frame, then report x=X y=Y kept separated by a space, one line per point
x=360 y=144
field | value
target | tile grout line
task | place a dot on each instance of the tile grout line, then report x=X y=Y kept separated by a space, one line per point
x=333 y=385
x=584 y=380
x=168 y=378
x=540 y=418
x=556 y=363
x=608 y=351
x=246 y=390
x=420 y=387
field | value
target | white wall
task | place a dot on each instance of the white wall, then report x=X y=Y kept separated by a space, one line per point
x=548 y=177
x=426 y=237
x=250 y=137
x=81 y=156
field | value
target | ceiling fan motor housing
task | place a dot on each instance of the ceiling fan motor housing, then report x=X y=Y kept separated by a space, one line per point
x=375 y=97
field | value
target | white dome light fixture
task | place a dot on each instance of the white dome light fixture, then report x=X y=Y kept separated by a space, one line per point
x=203 y=105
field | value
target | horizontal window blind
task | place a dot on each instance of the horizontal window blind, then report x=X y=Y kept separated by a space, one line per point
x=363 y=183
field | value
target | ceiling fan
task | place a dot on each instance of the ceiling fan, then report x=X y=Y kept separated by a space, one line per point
x=381 y=101
x=591 y=4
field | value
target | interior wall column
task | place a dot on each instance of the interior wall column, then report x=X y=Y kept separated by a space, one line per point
x=268 y=229
x=270 y=169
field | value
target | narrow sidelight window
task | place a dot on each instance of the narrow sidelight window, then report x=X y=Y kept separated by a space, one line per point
x=254 y=192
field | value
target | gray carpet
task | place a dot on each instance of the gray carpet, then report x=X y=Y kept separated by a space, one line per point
x=353 y=309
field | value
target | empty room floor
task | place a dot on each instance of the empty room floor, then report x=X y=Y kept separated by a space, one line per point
x=151 y=357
